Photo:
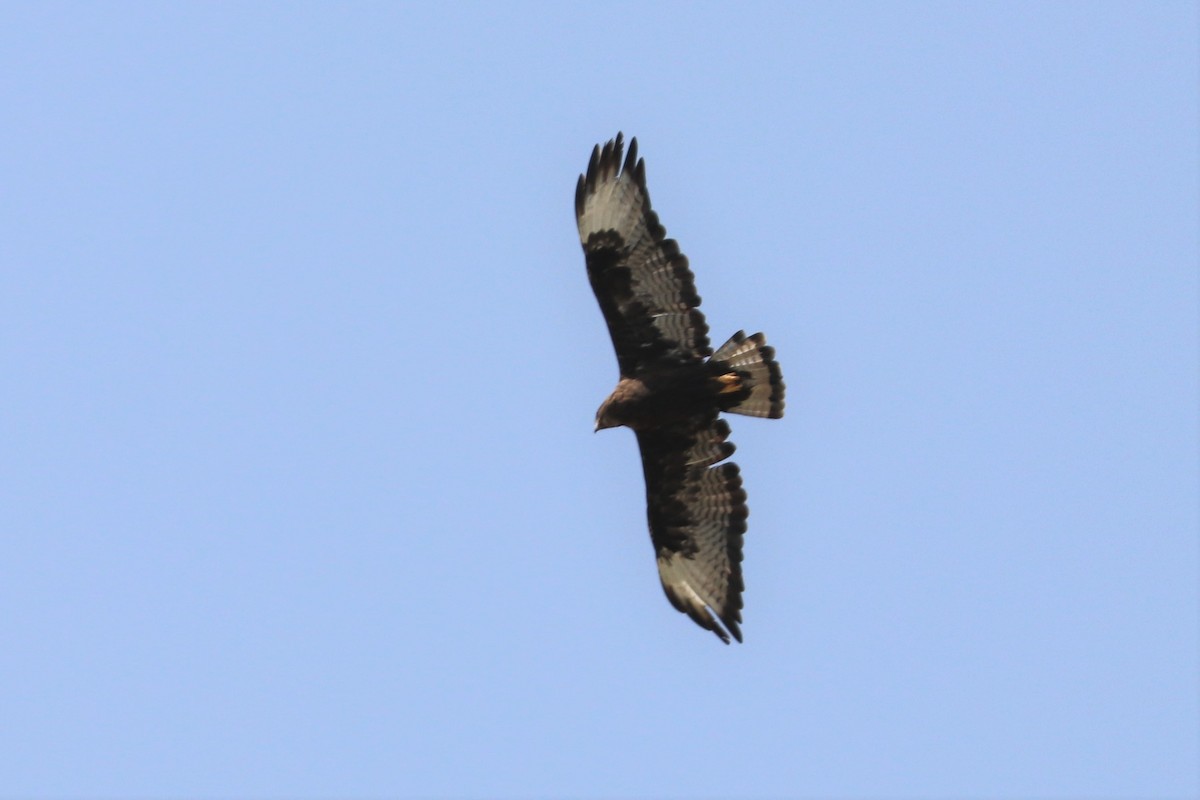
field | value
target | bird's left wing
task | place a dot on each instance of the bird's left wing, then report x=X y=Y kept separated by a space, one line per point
x=697 y=513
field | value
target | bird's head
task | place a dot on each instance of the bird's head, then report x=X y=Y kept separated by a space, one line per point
x=604 y=416
x=619 y=408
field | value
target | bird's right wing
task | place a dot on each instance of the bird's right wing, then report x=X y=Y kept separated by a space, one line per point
x=643 y=283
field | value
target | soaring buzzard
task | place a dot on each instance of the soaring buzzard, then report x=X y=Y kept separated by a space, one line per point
x=672 y=387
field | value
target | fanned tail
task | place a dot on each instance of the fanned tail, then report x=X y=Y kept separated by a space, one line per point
x=750 y=376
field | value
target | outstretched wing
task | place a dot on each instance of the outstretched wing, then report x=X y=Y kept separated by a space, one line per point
x=697 y=515
x=645 y=288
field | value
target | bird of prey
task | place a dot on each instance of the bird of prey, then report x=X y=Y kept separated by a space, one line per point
x=672 y=388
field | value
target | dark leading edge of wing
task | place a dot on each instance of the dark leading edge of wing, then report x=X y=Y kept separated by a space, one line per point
x=645 y=289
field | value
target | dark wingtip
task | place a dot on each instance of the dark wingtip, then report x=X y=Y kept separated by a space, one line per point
x=580 y=196
x=728 y=622
x=605 y=159
x=610 y=159
x=589 y=182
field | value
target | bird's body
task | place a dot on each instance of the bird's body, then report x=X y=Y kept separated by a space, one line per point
x=672 y=388
x=673 y=394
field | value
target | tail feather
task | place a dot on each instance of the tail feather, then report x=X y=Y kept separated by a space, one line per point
x=754 y=362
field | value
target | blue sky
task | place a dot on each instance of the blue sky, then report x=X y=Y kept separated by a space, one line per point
x=299 y=493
